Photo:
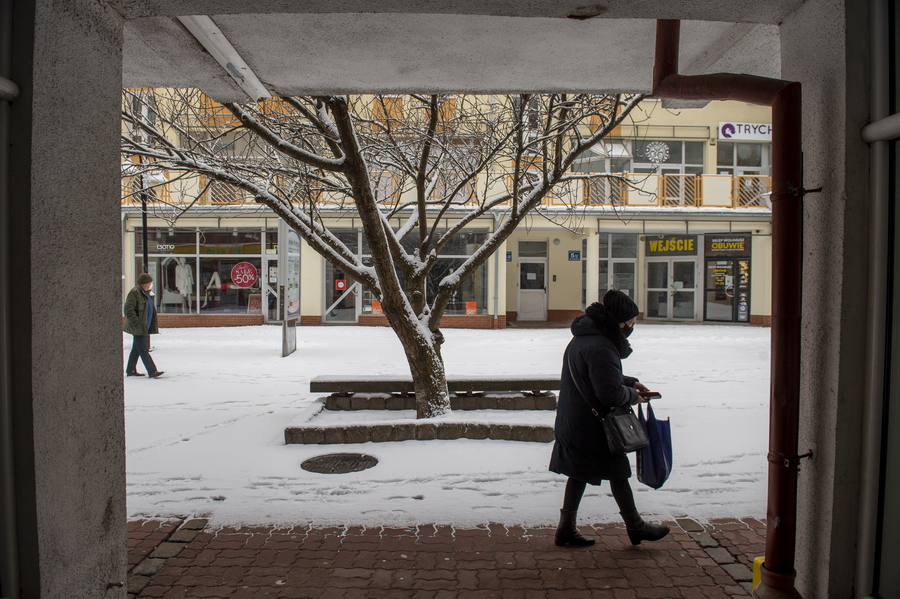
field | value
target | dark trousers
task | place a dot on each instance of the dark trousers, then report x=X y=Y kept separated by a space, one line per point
x=621 y=491
x=140 y=347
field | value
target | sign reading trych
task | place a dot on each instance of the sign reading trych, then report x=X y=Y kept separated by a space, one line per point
x=745 y=131
x=244 y=275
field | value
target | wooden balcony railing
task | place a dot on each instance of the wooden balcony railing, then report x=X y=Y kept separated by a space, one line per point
x=721 y=191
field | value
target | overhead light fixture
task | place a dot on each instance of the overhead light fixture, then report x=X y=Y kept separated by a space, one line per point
x=215 y=42
x=586 y=12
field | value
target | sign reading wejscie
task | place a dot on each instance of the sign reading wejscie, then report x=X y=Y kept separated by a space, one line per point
x=671 y=245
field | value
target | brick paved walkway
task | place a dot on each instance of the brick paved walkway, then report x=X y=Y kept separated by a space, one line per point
x=174 y=559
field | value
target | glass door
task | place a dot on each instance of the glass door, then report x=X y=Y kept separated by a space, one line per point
x=671 y=289
x=720 y=290
x=340 y=296
x=727 y=290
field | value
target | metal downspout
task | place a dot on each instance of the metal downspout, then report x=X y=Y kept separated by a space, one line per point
x=777 y=574
x=875 y=134
x=9 y=553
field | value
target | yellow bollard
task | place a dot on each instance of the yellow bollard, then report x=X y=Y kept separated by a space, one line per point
x=757 y=564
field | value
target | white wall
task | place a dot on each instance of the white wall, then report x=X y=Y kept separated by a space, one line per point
x=835 y=107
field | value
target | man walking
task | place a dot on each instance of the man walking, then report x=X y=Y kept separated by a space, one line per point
x=140 y=322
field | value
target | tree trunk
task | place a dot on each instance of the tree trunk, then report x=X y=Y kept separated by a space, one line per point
x=427 y=368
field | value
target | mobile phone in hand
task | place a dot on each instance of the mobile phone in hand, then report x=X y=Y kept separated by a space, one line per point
x=650 y=394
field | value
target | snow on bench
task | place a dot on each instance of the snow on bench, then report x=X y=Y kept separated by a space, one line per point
x=345 y=385
x=388 y=392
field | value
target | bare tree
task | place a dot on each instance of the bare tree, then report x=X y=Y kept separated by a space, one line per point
x=414 y=161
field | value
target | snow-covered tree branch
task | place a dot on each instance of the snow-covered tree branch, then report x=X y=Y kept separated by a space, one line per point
x=414 y=170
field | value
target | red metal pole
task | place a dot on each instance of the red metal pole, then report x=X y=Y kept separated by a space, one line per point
x=777 y=580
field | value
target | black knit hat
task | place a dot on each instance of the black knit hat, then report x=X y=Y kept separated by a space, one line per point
x=620 y=305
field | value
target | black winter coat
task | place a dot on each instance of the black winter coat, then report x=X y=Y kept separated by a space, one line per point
x=592 y=359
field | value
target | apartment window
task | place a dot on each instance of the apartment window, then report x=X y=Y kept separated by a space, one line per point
x=668 y=157
x=743 y=158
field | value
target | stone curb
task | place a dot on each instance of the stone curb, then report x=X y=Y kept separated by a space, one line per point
x=408 y=431
x=487 y=401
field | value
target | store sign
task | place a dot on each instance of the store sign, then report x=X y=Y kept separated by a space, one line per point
x=509 y=256
x=292 y=271
x=745 y=131
x=671 y=245
x=244 y=275
x=717 y=245
x=340 y=284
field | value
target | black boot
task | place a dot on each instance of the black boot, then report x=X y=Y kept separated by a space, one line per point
x=638 y=530
x=567 y=534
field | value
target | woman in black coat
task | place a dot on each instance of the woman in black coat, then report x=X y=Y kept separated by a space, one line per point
x=592 y=377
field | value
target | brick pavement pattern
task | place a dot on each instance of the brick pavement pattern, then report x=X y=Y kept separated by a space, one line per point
x=172 y=559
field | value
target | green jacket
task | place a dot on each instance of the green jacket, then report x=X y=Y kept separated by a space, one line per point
x=136 y=314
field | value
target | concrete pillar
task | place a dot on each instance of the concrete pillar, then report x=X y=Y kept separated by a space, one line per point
x=592 y=259
x=65 y=247
x=835 y=107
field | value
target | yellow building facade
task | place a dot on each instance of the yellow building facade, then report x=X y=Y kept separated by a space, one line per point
x=681 y=223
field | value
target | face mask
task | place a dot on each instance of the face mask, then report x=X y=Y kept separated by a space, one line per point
x=627 y=331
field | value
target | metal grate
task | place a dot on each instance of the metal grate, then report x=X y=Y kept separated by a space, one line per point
x=339 y=463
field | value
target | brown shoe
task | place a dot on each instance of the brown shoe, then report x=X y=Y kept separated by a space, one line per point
x=156 y=374
x=135 y=374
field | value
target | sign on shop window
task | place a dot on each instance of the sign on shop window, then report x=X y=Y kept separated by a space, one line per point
x=244 y=274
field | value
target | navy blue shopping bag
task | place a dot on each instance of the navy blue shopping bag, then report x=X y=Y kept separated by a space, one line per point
x=654 y=462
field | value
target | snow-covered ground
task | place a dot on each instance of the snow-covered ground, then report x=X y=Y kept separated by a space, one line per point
x=207 y=439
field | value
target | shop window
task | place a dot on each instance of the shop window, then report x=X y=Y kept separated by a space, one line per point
x=163 y=240
x=230 y=285
x=230 y=241
x=618 y=263
x=226 y=276
x=471 y=296
x=342 y=300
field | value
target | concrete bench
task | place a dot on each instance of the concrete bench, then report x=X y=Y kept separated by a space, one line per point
x=386 y=392
x=346 y=385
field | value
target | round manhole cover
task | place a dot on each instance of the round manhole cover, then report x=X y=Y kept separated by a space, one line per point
x=339 y=463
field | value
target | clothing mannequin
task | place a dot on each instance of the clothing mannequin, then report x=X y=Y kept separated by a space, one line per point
x=184 y=283
x=212 y=288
